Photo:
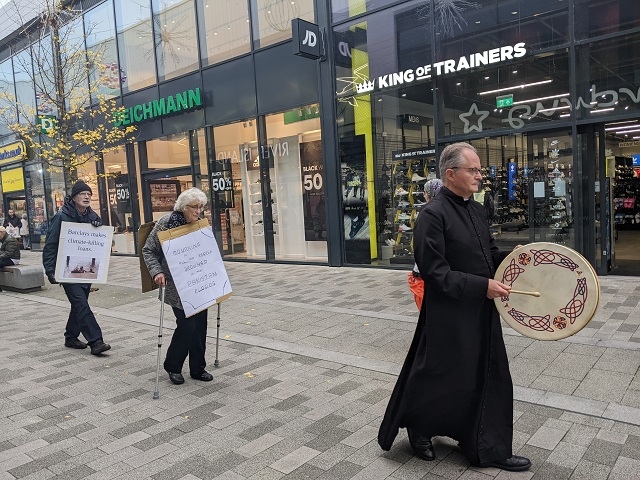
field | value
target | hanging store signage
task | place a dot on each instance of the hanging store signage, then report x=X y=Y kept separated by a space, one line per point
x=504 y=101
x=512 y=170
x=410 y=119
x=413 y=153
x=12 y=180
x=306 y=39
x=47 y=123
x=300 y=114
x=180 y=102
x=629 y=144
x=12 y=152
x=466 y=62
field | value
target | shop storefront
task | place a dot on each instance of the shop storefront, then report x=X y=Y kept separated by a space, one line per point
x=325 y=160
x=547 y=92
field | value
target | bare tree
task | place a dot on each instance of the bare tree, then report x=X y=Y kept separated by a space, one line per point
x=72 y=120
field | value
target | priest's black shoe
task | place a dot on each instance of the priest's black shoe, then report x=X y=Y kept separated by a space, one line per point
x=74 y=343
x=99 y=347
x=513 y=464
x=422 y=446
x=203 y=376
x=176 y=378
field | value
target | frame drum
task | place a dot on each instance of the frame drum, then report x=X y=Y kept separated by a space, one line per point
x=567 y=288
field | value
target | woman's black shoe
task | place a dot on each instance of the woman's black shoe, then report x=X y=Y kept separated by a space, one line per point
x=203 y=376
x=176 y=378
x=513 y=464
x=422 y=446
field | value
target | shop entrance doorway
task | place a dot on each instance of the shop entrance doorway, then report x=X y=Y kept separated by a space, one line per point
x=17 y=203
x=621 y=171
x=161 y=189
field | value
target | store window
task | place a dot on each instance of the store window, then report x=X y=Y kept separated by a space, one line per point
x=120 y=202
x=171 y=151
x=271 y=19
x=297 y=184
x=44 y=81
x=135 y=45
x=74 y=58
x=87 y=171
x=530 y=91
x=224 y=30
x=344 y=9
x=175 y=37
x=6 y=86
x=608 y=82
x=37 y=213
x=236 y=190
x=25 y=93
x=100 y=35
x=605 y=17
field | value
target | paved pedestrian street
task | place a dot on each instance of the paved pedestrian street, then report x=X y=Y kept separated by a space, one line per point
x=308 y=357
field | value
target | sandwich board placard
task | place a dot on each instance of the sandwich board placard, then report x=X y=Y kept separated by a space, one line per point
x=84 y=252
x=196 y=266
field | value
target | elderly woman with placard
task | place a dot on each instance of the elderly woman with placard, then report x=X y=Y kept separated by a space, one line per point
x=190 y=335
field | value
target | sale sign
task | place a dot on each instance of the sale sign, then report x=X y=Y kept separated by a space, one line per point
x=311 y=166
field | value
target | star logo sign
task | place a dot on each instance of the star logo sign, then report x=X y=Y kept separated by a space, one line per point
x=473 y=111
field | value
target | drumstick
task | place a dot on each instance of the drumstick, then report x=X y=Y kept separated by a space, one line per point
x=533 y=294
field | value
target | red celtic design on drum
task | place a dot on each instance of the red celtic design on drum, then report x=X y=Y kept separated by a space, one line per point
x=539 y=323
x=575 y=306
x=524 y=259
x=511 y=272
x=559 y=322
x=548 y=257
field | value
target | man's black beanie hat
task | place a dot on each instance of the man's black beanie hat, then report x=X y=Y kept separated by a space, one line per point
x=80 y=186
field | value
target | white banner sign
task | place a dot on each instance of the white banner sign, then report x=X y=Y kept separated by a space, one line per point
x=83 y=253
x=197 y=269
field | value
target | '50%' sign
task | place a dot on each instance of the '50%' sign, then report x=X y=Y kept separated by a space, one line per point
x=220 y=183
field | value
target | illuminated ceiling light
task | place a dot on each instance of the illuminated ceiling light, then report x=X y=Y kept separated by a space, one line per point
x=602 y=110
x=514 y=13
x=459 y=83
x=626 y=108
x=541 y=98
x=486 y=78
x=404 y=94
x=380 y=99
x=565 y=115
x=515 y=87
x=628 y=131
x=555 y=108
x=620 y=123
x=478 y=22
x=515 y=71
x=630 y=128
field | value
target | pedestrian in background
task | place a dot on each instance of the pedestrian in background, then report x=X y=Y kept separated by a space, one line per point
x=24 y=233
x=190 y=335
x=455 y=381
x=76 y=208
x=9 y=249
x=416 y=284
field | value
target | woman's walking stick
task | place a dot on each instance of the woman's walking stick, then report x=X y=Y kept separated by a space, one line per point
x=156 y=394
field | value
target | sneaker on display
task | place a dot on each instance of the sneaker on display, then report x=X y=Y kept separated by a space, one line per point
x=404 y=216
x=390 y=241
x=404 y=228
x=403 y=204
x=417 y=178
x=401 y=191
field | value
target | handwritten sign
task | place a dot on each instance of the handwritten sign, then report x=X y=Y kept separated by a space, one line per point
x=83 y=253
x=196 y=266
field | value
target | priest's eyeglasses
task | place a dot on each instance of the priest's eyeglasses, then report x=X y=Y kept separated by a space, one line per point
x=472 y=170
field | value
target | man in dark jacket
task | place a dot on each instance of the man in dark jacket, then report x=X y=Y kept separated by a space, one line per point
x=12 y=219
x=9 y=249
x=455 y=381
x=81 y=319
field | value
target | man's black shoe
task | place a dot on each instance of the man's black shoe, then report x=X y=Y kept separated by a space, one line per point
x=422 y=446
x=74 y=343
x=203 y=376
x=99 y=347
x=176 y=378
x=513 y=464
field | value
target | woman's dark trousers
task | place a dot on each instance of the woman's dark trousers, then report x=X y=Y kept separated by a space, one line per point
x=189 y=338
x=81 y=318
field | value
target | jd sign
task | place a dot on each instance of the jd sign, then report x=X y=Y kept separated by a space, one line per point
x=306 y=39
x=46 y=123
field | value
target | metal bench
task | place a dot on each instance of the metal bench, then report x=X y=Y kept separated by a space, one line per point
x=22 y=278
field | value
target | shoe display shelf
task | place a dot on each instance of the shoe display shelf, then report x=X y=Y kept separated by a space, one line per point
x=408 y=179
x=626 y=195
x=254 y=211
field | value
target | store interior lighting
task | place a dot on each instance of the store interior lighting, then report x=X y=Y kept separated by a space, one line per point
x=530 y=100
x=515 y=87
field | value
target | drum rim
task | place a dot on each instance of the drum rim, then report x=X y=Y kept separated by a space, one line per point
x=558 y=334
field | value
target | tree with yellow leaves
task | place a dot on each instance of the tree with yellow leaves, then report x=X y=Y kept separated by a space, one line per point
x=72 y=120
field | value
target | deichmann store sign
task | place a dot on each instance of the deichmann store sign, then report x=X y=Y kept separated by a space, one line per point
x=180 y=102
x=466 y=62
x=12 y=152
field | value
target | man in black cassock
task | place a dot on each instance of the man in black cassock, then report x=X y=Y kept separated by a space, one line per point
x=455 y=381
